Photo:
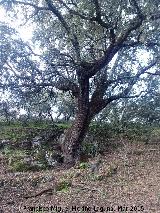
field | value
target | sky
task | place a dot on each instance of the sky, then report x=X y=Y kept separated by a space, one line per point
x=24 y=31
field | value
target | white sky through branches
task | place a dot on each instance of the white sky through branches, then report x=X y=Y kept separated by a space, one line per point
x=26 y=31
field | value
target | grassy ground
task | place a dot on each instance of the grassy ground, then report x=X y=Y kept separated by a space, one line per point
x=128 y=180
x=17 y=132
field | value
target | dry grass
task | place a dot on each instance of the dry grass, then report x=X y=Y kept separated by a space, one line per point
x=128 y=177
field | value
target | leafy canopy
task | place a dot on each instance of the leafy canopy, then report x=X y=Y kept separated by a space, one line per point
x=114 y=44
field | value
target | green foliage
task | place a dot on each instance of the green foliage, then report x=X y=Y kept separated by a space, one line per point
x=131 y=130
x=103 y=136
x=83 y=26
x=17 y=163
x=16 y=132
x=64 y=125
x=83 y=165
x=66 y=107
x=19 y=166
x=15 y=159
x=63 y=186
x=100 y=130
x=14 y=152
x=137 y=131
x=90 y=147
x=100 y=134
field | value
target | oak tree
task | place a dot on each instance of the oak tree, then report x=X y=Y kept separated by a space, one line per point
x=98 y=50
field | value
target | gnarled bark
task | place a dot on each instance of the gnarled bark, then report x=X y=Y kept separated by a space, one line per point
x=76 y=133
x=73 y=139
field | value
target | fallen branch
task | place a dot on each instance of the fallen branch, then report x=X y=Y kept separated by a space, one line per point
x=50 y=190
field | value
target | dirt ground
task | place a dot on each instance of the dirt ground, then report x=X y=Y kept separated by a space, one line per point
x=128 y=180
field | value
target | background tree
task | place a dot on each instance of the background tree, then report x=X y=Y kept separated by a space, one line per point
x=65 y=105
x=144 y=110
x=38 y=106
x=91 y=48
x=8 y=111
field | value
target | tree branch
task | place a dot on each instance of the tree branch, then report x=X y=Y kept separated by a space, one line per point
x=73 y=39
x=60 y=84
x=26 y=4
x=98 y=103
x=156 y=73
x=65 y=86
x=134 y=24
x=92 y=69
x=154 y=17
x=73 y=12
x=56 y=12
x=138 y=10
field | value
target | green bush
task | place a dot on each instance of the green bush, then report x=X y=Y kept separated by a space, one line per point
x=83 y=165
x=63 y=186
x=19 y=166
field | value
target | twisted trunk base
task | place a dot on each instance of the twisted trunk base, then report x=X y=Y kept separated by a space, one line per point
x=71 y=146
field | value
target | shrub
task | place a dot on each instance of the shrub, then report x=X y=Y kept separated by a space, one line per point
x=63 y=186
x=83 y=165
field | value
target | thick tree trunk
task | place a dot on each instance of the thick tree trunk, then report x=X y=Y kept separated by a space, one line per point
x=75 y=135
x=86 y=110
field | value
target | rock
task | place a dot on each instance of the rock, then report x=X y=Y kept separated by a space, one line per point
x=10 y=202
x=4 y=143
x=48 y=178
x=37 y=164
x=53 y=158
x=36 y=142
x=26 y=144
x=62 y=138
x=77 y=174
x=2 y=183
x=28 y=160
